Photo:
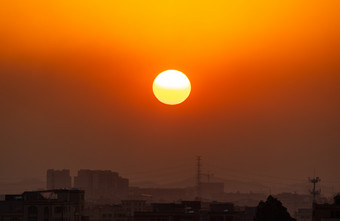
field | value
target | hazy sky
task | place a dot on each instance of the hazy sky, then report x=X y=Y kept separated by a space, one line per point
x=76 y=88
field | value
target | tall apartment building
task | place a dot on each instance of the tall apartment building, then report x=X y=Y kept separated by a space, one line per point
x=103 y=185
x=58 y=179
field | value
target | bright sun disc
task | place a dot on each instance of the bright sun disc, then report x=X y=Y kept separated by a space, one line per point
x=171 y=87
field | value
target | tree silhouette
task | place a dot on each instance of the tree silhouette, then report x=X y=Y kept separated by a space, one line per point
x=272 y=210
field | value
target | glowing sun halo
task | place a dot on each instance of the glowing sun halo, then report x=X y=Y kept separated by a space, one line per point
x=171 y=87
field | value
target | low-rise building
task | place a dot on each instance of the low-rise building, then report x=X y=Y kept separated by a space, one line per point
x=190 y=211
x=303 y=214
x=106 y=213
x=327 y=212
x=49 y=205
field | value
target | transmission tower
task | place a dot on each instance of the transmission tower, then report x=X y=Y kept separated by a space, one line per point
x=315 y=192
x=198 y=177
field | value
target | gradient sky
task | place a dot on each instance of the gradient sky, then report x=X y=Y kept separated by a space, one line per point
x=76 y=88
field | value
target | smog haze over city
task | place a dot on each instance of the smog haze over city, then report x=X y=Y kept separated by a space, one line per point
x=76 y=92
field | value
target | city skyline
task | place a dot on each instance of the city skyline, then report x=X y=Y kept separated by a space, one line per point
x=64 y=178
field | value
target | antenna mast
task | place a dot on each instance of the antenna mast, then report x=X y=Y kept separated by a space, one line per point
x=315 y=192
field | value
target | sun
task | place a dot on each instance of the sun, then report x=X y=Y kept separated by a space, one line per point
x=171 y=87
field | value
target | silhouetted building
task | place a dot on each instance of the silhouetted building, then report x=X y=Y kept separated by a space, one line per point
x=327 y=212
x=12 y=208
x=248 y=213
x=49 y=205
x=171 y=211
x=116 y=212
x=190 y=211
x=58 y=179
x=132 y=206
x=139 y=210
x=224 y=216
x=221 y=207
x=106 y=213
x=304 y=214
x=103 y=186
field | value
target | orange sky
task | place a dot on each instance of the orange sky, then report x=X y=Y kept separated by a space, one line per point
x=76 y=77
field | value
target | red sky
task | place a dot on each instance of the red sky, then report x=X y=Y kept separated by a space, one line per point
x=76 y=88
